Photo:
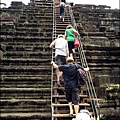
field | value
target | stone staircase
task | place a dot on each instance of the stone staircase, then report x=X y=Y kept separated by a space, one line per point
x=26 y=33
x=25 y=77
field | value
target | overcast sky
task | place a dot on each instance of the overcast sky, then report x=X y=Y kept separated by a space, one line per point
x=112 y=3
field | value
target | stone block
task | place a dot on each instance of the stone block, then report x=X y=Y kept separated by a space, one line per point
x=1 y=54
x=115 y=43
x=101 y=80
x=100 y=91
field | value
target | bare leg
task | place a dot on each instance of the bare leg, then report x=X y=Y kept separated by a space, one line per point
x=71 y=55
x=58 y=75
x=76 y=108
x=58 y=78
x=73 y=50
x=70 y=106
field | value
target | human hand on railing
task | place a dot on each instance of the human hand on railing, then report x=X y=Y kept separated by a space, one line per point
x=86 y=69
x=52 y=62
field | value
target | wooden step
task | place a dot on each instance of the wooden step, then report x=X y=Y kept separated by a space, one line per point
x=63 y=96
x=61 y=115
x=66 y=105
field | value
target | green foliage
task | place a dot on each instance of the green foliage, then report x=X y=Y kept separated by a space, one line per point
x=26 y=22
x=114 y=85
x=102 y=117
x=13 y=99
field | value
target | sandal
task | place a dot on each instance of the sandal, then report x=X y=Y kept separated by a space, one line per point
x=58 y=84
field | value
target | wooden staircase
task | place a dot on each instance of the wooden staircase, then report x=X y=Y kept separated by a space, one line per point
x=60 y=108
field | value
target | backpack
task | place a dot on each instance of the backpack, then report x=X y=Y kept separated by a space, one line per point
x=81 y=76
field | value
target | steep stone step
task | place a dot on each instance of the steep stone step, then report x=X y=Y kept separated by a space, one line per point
x=32 y=16
x=27 y=54
x=25 y=93
x=47 y=24
x=7 y=33
x=102 y=48
x=24 y=70
x=37 y=47
x=105 y=53
x=27 y=48
x=37 y=10
x=25 y=39
x=44 y=19
x=43 y=4
x=103 y=60
x=36 y=15
x=25 y=80
x=30 y=43
x=103 y=65
x=23 y=33
x=34 y=29
x=18 y=11
x=19 y=105
x=90 y=34
x=32 y=116
x=25 y=62
x=26 y=73
x=95 y=71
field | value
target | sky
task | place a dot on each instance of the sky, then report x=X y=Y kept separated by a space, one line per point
x=112 y=3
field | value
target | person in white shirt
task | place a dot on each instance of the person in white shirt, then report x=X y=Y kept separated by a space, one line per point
x=83 y=115
x=61 y=53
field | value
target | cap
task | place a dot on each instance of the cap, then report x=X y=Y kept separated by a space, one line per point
x=84 y=111
x=60 y=36
x=69 y=59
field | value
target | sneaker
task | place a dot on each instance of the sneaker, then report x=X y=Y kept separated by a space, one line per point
x=60 y=16
x=63 y=19
x=58 y=84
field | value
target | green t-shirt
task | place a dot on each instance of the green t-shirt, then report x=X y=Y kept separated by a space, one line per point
x=70 y=35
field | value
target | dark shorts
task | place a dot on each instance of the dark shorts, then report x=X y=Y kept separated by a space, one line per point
x=60 y=60
x=72 y=95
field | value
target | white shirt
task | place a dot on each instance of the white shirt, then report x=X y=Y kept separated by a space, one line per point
x=60 y=46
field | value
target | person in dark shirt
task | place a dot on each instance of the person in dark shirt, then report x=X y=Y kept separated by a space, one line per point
x=63 y=1
x=70 y=83
x=62 y=7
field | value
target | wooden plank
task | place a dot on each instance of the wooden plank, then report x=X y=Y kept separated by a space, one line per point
x=63 y=96
x=65 y=105
x=61 y=115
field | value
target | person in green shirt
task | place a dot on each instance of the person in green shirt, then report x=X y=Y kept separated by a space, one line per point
x=70 y=33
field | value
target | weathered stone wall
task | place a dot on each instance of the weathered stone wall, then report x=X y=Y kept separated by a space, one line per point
x=100 y=35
